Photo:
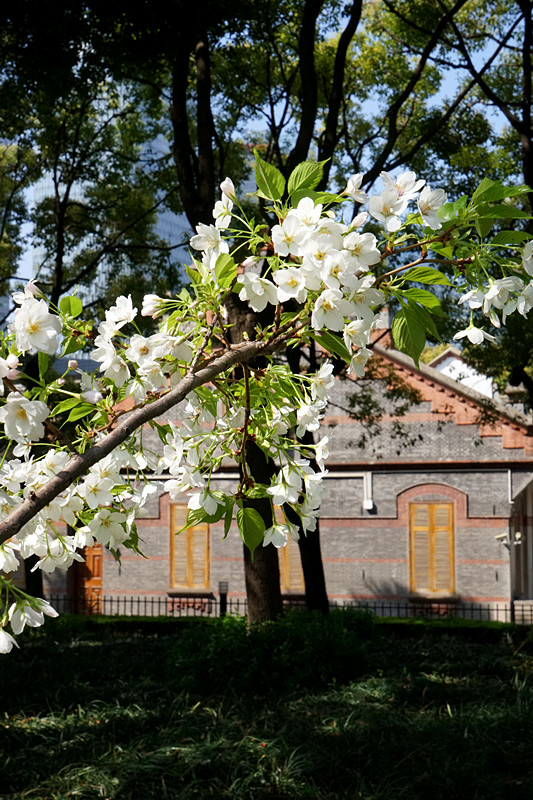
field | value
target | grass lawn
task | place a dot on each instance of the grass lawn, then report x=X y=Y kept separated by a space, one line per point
x=344 y=708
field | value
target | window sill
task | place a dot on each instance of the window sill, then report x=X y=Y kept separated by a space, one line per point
x=205 y=595
x=434 y=597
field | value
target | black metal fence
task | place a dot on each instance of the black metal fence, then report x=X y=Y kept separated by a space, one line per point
x=214 y=606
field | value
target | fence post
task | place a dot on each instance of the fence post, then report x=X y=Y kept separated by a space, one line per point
x=223 y=592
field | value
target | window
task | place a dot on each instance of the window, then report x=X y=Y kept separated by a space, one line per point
x=189 y=552
x=290 y=565
x=431 y=549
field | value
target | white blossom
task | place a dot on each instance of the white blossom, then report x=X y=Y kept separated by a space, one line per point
x=322 y=382
x=358 y=362
x=307 y=212
x=22 y=613
x=227 y=187
x=474 y=335
x=330 y=310
x=289 y=237
x=405 y=184
x=23 y=419
x=387 y=207
x=152 y=306
x=258 y=291
x=122 y=312
x=6 y=641
x=35 y=328
x=353 y=190
x=291 y=284
x=527 y=257
x=429 y=203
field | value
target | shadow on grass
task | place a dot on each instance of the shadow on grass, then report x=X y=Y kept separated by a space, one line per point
x=304 y=708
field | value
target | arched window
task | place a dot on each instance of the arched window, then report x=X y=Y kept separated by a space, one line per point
x=431 y=549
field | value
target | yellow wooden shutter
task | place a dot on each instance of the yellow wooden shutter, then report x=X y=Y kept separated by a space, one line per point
x=443 y=577
x=189 y=552
x=420 y=549
x=292 y=577
x=198 y=557
x=290 y=563
x=432 y=548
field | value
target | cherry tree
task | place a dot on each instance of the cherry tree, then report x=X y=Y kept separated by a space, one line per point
x=324 y=279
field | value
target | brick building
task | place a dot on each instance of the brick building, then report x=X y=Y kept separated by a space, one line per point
x=445 y=518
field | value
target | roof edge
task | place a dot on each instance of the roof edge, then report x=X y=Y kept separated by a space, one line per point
x=433 y=375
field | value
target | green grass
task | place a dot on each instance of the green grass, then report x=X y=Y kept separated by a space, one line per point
x=305 y=708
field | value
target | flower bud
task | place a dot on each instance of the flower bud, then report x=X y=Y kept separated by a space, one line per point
x=92 y=396
x=72 y=364
x=227 y=187
x=151 y=306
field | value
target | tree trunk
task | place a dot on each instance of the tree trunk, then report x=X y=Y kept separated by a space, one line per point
x=316 y=595
x=33 y=580
x=261 y=574
x=262 y=584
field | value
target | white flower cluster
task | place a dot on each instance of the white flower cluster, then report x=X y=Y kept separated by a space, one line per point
x=155 y=358
x=502 y=296
x=326 y=263
x=24 y=613
x=195 y=447
x=44 y=536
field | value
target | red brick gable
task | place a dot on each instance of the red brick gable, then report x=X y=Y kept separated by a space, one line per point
x=452 y=401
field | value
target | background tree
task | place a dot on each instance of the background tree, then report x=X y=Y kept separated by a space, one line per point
x=361 y=86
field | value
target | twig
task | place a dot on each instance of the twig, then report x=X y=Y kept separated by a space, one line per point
x=200 y=351
x=246 y=374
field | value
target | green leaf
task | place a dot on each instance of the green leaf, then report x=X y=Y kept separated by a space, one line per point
x=425 y=298
x=326 y=197
x=162 y=430
x=270 y=181
x=426 y=275
x=502 y=212
x=225 y=270
x=251 y=527
x=228 y=516
x=71 y=306
x=64 y=405
x=428 y=321
x=333 y=344
x=490 y=191
x=305 y=177
x=484 y=226
x=72 y=344
x=193 y=275
x=449 y=211
x=81 y=410
x=409 y=333
x=43 y=364
x=510 y=238
x=198 y=515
